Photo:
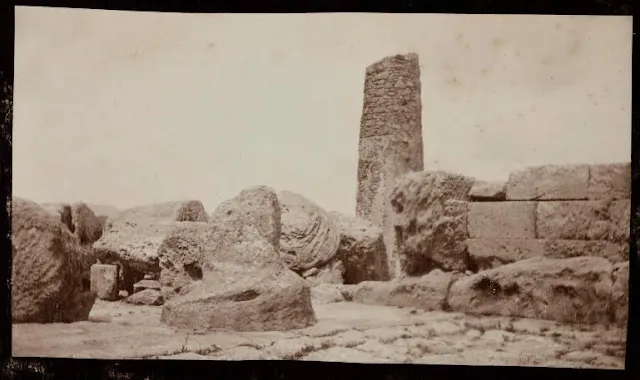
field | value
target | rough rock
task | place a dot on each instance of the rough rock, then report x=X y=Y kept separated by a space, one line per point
x=488 y=191
x=584 y=220
x=151 y=297
x=493 y=252
x=104 y=281
x=47 y=268
x=180 y=255
x=361 y=250
x=330 y=273
x=192 y=211
x=610 y=181
x=502 y=220
x=428 y=292
x=620 y=293
x=246 y=286
x=310 y=238
x=550 y=182
x=135 y=235
x=566 y=290
x=326 y=293
x=146 y=284
x=430 y=222
x=79 y=219
x=88 y=227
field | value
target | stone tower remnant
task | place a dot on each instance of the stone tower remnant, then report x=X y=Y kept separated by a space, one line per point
x=390 y=142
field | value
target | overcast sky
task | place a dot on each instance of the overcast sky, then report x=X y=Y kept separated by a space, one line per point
x=130 y=108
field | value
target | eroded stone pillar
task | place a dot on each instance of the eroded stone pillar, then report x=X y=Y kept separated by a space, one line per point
x=390 y=139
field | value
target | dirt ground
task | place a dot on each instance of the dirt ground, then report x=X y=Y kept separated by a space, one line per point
x=345 y=332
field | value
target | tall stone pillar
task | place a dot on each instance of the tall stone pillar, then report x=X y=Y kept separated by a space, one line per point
x=390 y=140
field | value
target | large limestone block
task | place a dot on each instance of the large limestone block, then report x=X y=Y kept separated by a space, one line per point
x=310 y=237
x=246 y=285
x=550 y=182
x=47 y=268
x=361 y=250
x=428 y=292
x=584 y=220
x=490 y=253
x=576 y=290
x=135 y=235
x=502 y=220
x=180 y=256
x=430 y=222
x=104 y=281
x=610 y=181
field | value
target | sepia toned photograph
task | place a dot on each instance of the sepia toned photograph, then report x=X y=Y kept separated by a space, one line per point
x=331 y=187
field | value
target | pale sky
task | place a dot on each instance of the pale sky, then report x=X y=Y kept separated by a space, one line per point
x=131 y=108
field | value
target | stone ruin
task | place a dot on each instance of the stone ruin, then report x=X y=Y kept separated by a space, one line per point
x=390 y=138
x=551 y=242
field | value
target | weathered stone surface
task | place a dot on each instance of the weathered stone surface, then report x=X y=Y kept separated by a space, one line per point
x=104 y=281
x=430 y=222
x=488 y=191
x=326 y=293
x=566 y=290
x=584 y=220
x=550 y=182
x=181 y=255
x=135 y=235
x=428 y=292
x=192 y=211
x=620 y=293
x=390 y=142
x=490 y=253
x=47 y=268
x=502 y=220
x=151 y=297
x=310 y=238
x=361 y=250
x=330 y=273
x=493 y=252
x=88 y=228
x=146 y=284
x=246 y=286
x=610 y=181
x=79 y=219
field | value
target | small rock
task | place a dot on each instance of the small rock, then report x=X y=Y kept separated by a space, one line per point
x=150 y=297
x=146 y=284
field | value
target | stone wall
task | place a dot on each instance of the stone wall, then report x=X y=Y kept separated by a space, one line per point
x=390 y=136
x=455 y=223
x=553 y=211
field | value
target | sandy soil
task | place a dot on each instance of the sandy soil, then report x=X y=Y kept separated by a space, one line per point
x=345 y=332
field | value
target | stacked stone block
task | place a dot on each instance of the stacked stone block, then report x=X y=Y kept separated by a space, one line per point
x=390 y=138
x=554 y=211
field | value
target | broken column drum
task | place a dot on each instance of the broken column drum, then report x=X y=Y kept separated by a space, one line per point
x=390 y=139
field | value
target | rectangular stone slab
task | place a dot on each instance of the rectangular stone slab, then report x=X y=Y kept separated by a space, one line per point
x=557 y=182
x=575 y=290
x=610 y=181
x=502 y=219
x=492 y=252
x=428 y=292
x=584 y=220
x=104 y=281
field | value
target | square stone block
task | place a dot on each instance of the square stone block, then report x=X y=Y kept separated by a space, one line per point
x=502 y=220
x=584 y=220
x=550 y=182
x=610 y=181
x=104 y=281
